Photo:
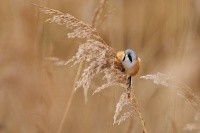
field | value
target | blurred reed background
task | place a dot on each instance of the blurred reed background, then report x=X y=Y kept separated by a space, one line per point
x=34 y=93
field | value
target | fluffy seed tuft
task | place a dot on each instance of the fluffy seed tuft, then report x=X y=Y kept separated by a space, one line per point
x=182 y=89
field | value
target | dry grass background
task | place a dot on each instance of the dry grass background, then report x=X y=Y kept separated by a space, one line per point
x=34 y=92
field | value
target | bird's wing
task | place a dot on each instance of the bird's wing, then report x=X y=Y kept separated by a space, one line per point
x=120 y=55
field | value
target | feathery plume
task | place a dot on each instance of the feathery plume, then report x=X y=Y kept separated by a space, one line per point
x=182 y=89
x=102 y=58
x=195 y=126
x=125 y=99
x=79 y=28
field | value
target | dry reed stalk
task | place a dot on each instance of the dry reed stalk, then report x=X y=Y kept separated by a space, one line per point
x=135 y=103
x=103 y=60
x=98 y=11
x=104 y=18
x=70 y=98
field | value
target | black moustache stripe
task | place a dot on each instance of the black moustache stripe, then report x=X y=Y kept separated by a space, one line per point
x=129 y=56
x=124 y=57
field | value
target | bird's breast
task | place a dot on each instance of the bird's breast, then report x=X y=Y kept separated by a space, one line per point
x=131 y=68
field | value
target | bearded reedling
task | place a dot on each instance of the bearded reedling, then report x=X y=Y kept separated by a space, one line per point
x=130 y=62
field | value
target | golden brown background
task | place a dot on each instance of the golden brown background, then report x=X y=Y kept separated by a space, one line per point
x=34 y=93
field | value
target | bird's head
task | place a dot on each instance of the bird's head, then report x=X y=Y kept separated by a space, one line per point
x=130 y=54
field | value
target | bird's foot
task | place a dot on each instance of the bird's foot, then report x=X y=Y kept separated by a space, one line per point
x=129 y=83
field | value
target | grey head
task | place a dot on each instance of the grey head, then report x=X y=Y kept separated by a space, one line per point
x=130 y=54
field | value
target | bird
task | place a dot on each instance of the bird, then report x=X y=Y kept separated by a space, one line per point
x=130 y=62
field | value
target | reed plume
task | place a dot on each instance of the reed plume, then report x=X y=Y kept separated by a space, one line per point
x=79 y=28
x=195 y=126
x=102 y=58
x=182 y=89
x=124 y=100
